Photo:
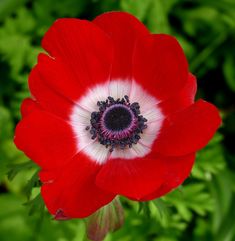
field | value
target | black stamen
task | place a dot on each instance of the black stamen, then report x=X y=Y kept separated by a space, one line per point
x=118 y=118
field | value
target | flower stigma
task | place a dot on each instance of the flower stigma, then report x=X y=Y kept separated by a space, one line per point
x=117 y=124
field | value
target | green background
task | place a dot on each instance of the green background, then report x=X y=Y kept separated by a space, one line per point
x=203 y=208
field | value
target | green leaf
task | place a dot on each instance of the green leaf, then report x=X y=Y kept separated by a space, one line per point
x=210 y=160
x=229 y=71
x=14 y=33
x=17 y=225
x=223 y=215
x=14 y=169
x=157 y=18
x=32 y=182
x=13 y=226
x=46 y=10
x=144 y=208
x=162 y=208
x=138 y=8
x=9 y=6
x=194 y=198
x=36 y=205
x=221 y=189
x=6 y=125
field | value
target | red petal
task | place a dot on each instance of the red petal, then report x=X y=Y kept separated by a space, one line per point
x=83 y=48
x=45 y=139
x=124 y=29
x=182 y=99
x=178 y=169
x=160 y=65
x=48 y=176
x=47 y=97
x=134 y=178
x=28 y=106
x=74 y=191
x=189 y=130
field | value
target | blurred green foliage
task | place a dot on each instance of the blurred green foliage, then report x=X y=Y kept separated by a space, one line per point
x=203 y=208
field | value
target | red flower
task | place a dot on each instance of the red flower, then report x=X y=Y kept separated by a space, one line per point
x=112 y=112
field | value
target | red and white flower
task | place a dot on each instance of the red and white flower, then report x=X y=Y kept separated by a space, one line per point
x=112 y=113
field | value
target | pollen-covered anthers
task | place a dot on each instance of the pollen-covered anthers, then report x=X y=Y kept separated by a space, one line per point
x=117 y=124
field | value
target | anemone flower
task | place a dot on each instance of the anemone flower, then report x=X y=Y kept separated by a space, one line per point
x=111 y=112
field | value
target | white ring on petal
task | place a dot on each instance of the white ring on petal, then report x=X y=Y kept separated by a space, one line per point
x=150 y=133
x=81 y=114
x=79 y=120
x=119 y=88
x=145 y=100
x=97 y=93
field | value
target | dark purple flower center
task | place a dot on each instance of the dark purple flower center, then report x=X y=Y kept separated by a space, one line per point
x=117 y=124
x=117 y=117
